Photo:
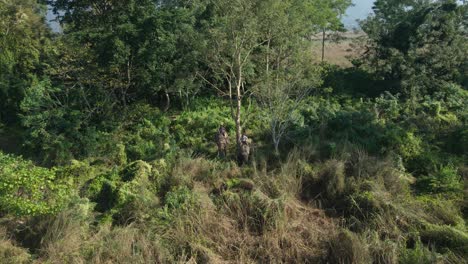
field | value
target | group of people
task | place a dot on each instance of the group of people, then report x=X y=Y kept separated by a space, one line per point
x=222 y=141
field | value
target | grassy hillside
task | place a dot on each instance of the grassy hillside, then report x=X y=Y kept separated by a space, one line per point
x=326 y=199
x=113 y=143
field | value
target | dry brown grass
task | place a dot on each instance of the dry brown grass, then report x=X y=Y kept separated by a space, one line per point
x=67 y=242
x=10 y=253
x=265 y=223
x=337 y=52
x=348 y=248
x=215 y=236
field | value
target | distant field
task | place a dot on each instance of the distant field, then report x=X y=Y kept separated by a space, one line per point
x=336 y=52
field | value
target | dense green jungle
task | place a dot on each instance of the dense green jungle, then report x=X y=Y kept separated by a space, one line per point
x=212 y=131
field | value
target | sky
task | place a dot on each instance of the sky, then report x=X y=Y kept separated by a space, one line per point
x=360 y=10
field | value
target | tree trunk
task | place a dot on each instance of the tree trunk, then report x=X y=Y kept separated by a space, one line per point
x=323 y=44
x=276 y=144
x=168 y=101
x=239 y=102
x=238 y=118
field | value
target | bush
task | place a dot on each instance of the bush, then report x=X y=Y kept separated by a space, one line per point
x=66 y=232
x=55 y=129
x=136 y=202
x=196 y=128
x=419 y=254
x=26 y=189
x=254 y=211
x=332 y=175
x=135 y=171
x=179 y=200
x=327 y=182
x=444 y=180
x=147 y=136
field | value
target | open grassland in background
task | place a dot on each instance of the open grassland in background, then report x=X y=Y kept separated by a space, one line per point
x=338 y=52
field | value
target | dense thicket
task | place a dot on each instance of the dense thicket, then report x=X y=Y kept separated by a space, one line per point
x=417 y=47
x=107 y=149
x=24 y=40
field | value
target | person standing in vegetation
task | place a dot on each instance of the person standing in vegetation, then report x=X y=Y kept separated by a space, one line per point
x=222 y=140
x=244 y=151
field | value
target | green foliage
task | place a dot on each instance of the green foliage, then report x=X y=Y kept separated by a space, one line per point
x=62 y=132
x=416 y=46
x=105 y=193
x=151 y=50
x=52 y=128
x=136 y=170
x=197 y=128
x=25 y=43
x=146 y=135
x=445 y=180
x=446 y=238
x=134 y=199
x=379 y=150
x=243 y=184
x=124 y=196
x=26 y=189
x=179 y=200
x=445 y=211
x=419 y=254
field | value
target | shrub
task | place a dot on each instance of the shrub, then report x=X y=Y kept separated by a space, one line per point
x=135 y=171
x=180 y=199
x=253 y=211
x=146 y=134
x=243 y=184
x=136 y=201
x=26 y=189
x=365 y=204
x=126 y=195
x=196 y=128
x=444 y=180
x=328 y=182
x=332 y=176
x=418 y=254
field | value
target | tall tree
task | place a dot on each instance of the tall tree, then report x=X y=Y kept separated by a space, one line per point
x=329 y=17
x=285 y=71
x=258 y=43
x=233 y=37
x=142 y=48
x=24 y=42
x=416 y=46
